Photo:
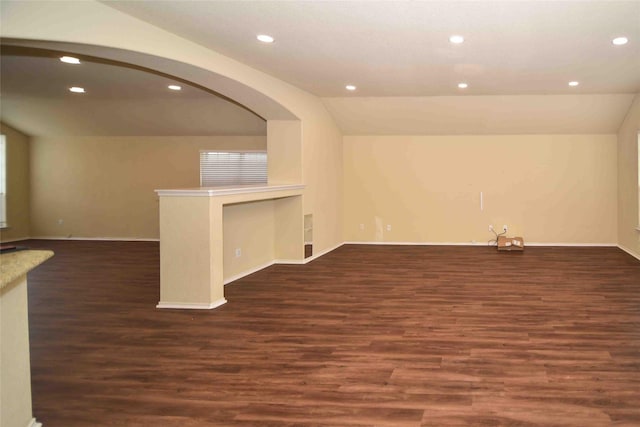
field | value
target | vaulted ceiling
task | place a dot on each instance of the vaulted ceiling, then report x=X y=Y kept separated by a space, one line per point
x=517 y=59
x=119 y=101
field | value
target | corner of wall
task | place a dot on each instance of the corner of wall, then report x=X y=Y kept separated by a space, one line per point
x=18 y=185
x=628 y=189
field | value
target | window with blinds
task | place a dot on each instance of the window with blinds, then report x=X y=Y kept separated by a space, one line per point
x=220 y=168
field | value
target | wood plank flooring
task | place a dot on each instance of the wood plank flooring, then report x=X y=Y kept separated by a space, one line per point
x=364 y=336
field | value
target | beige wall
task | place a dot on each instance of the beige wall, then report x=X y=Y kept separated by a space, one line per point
x=249 y=227
x=264 y=231
x=15 y=367
x=323 y=174
x=628 y=235
x=17 y=185
x=104 y=186
x=284 y=144
x=546 y=188
x=93 y=23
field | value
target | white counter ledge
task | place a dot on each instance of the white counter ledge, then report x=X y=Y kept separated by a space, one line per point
x=230 y=190
x=18 y=263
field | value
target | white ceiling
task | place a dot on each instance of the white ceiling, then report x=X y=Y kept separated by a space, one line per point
x=517 y=58
x=401 y=48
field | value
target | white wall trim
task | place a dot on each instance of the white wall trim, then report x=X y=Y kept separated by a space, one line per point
x=577 y=245
x=419 y=243
x=229 y=190
x=289 y=261
x=280 y=261
x=191 y=305
x=482 y=244
x=326 y=251
x=101 y=239
x=34 y=423
x=629 y=251
x=247 y=272
x=19 y=239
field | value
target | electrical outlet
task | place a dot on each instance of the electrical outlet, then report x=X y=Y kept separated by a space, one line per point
x=60 y=221
x=361 y=226
x=504 y=228
x=238 y=252
x=490 y=227
x=388 y=227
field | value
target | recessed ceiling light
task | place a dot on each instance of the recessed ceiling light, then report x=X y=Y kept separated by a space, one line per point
x=175 y=87
x=350 y=87
x=70 y=60
x=463 y=85
x=618 y=41
x=265 y=38
x=574 y=83
x=76 y=89
x=456 y=39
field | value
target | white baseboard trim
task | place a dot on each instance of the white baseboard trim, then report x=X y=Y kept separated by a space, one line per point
x=279 y=261
x=101 y=239
x=289 y=261
x=419 y=243
x=34 y=423
x=574 y=245
x=326 y=251
x=307 y=260
x=191 y=305
x=247 y=272
x=19 y=239
x=481 y=244
x=630 y=252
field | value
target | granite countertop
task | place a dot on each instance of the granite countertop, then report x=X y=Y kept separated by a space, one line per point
x=15 y=264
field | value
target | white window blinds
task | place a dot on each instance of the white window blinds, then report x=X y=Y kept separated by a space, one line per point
x=218 y=168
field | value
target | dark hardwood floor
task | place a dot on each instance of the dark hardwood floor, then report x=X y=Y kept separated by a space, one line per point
x=364 y=336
